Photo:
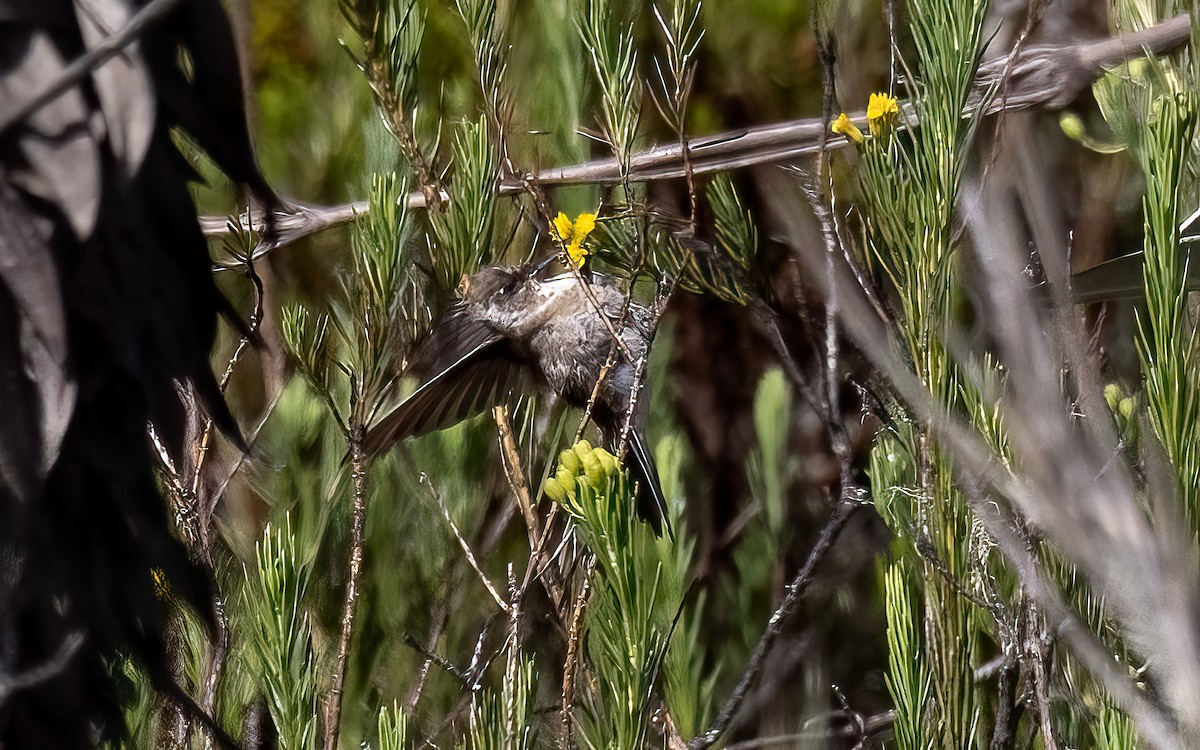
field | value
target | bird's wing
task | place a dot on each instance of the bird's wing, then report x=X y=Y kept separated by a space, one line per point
x=1121 y=277
x=466 y=367
x=651 y=505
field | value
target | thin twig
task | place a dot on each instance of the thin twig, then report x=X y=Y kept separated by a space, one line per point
x=570 y=666
x=671 y=732
x=466 y=548
x=251 y=439
x=841 y=513
x=1035 y=646
x=513 y=470
x=835 y=249
x=206 y=508
x=437 y=659
x=533 y=568
x=358 y=473
x=437 y=624
x=214 y=662
x=870 y=725
x=926 y=550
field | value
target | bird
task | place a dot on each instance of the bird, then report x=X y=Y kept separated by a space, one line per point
x=512 y=333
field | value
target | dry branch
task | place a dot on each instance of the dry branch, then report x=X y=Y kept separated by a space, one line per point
x=1049 y=76
x=841 y=513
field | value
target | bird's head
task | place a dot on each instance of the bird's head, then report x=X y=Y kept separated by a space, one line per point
x=487 y=283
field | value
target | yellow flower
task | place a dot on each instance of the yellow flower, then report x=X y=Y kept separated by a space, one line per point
x=573 y=233
x=843 y=126
x=162 y=586
x=881 y=113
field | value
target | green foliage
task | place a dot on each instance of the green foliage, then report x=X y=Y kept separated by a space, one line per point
x=1151 y=105
x=771 y=470
x=464 y=231
x=392 y=32
x=908 y=676
x=772 y=465
x=1114 y=731
x=682 y=32
x=627 y=634
x=281 y=657
x=610 y=44
x=1168 y=338
x=382 y=254
x=307 y=338
x=503 y=720
x=383 y=314
x=687 y=686
x=733 y=226
x=393 y=728
x=533 y=64
x=1125 y=409
x=724 y=270
x=140 y=705
x=486 y=31
x=387 y=309
x=908 y=183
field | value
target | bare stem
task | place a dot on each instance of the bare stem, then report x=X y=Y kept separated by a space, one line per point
x=795 y=593
x=358 y=473
x=466 y=548
x=1074 y=68
x=214 y=663
x=516 y=474
x=570 y=668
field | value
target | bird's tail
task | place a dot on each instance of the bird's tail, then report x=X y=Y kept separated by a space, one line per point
x=651 y=505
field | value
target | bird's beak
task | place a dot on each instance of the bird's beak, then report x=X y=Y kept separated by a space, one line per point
x=542 y=266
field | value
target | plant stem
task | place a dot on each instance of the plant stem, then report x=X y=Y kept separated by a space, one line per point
x=214 y=664
x=516 y=475
x=795 y=593
x=570 y=668
x=358 y=473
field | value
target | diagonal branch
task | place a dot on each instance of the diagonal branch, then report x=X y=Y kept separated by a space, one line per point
x=1049 y=76
x=795 y=593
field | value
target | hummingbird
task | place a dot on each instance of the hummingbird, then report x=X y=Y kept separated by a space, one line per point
x=512 y=333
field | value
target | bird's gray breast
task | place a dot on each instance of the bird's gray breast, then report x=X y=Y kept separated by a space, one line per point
x=571 y=341
x=569 y=335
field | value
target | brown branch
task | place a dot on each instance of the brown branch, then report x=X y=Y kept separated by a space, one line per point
x=358 y=473
x=214 y=661
x=1002 y=727
x=1048 y=76
x=516 y=474
x=795 y=594
x=435 y=658
x=570 y=666
x=1036 y=646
